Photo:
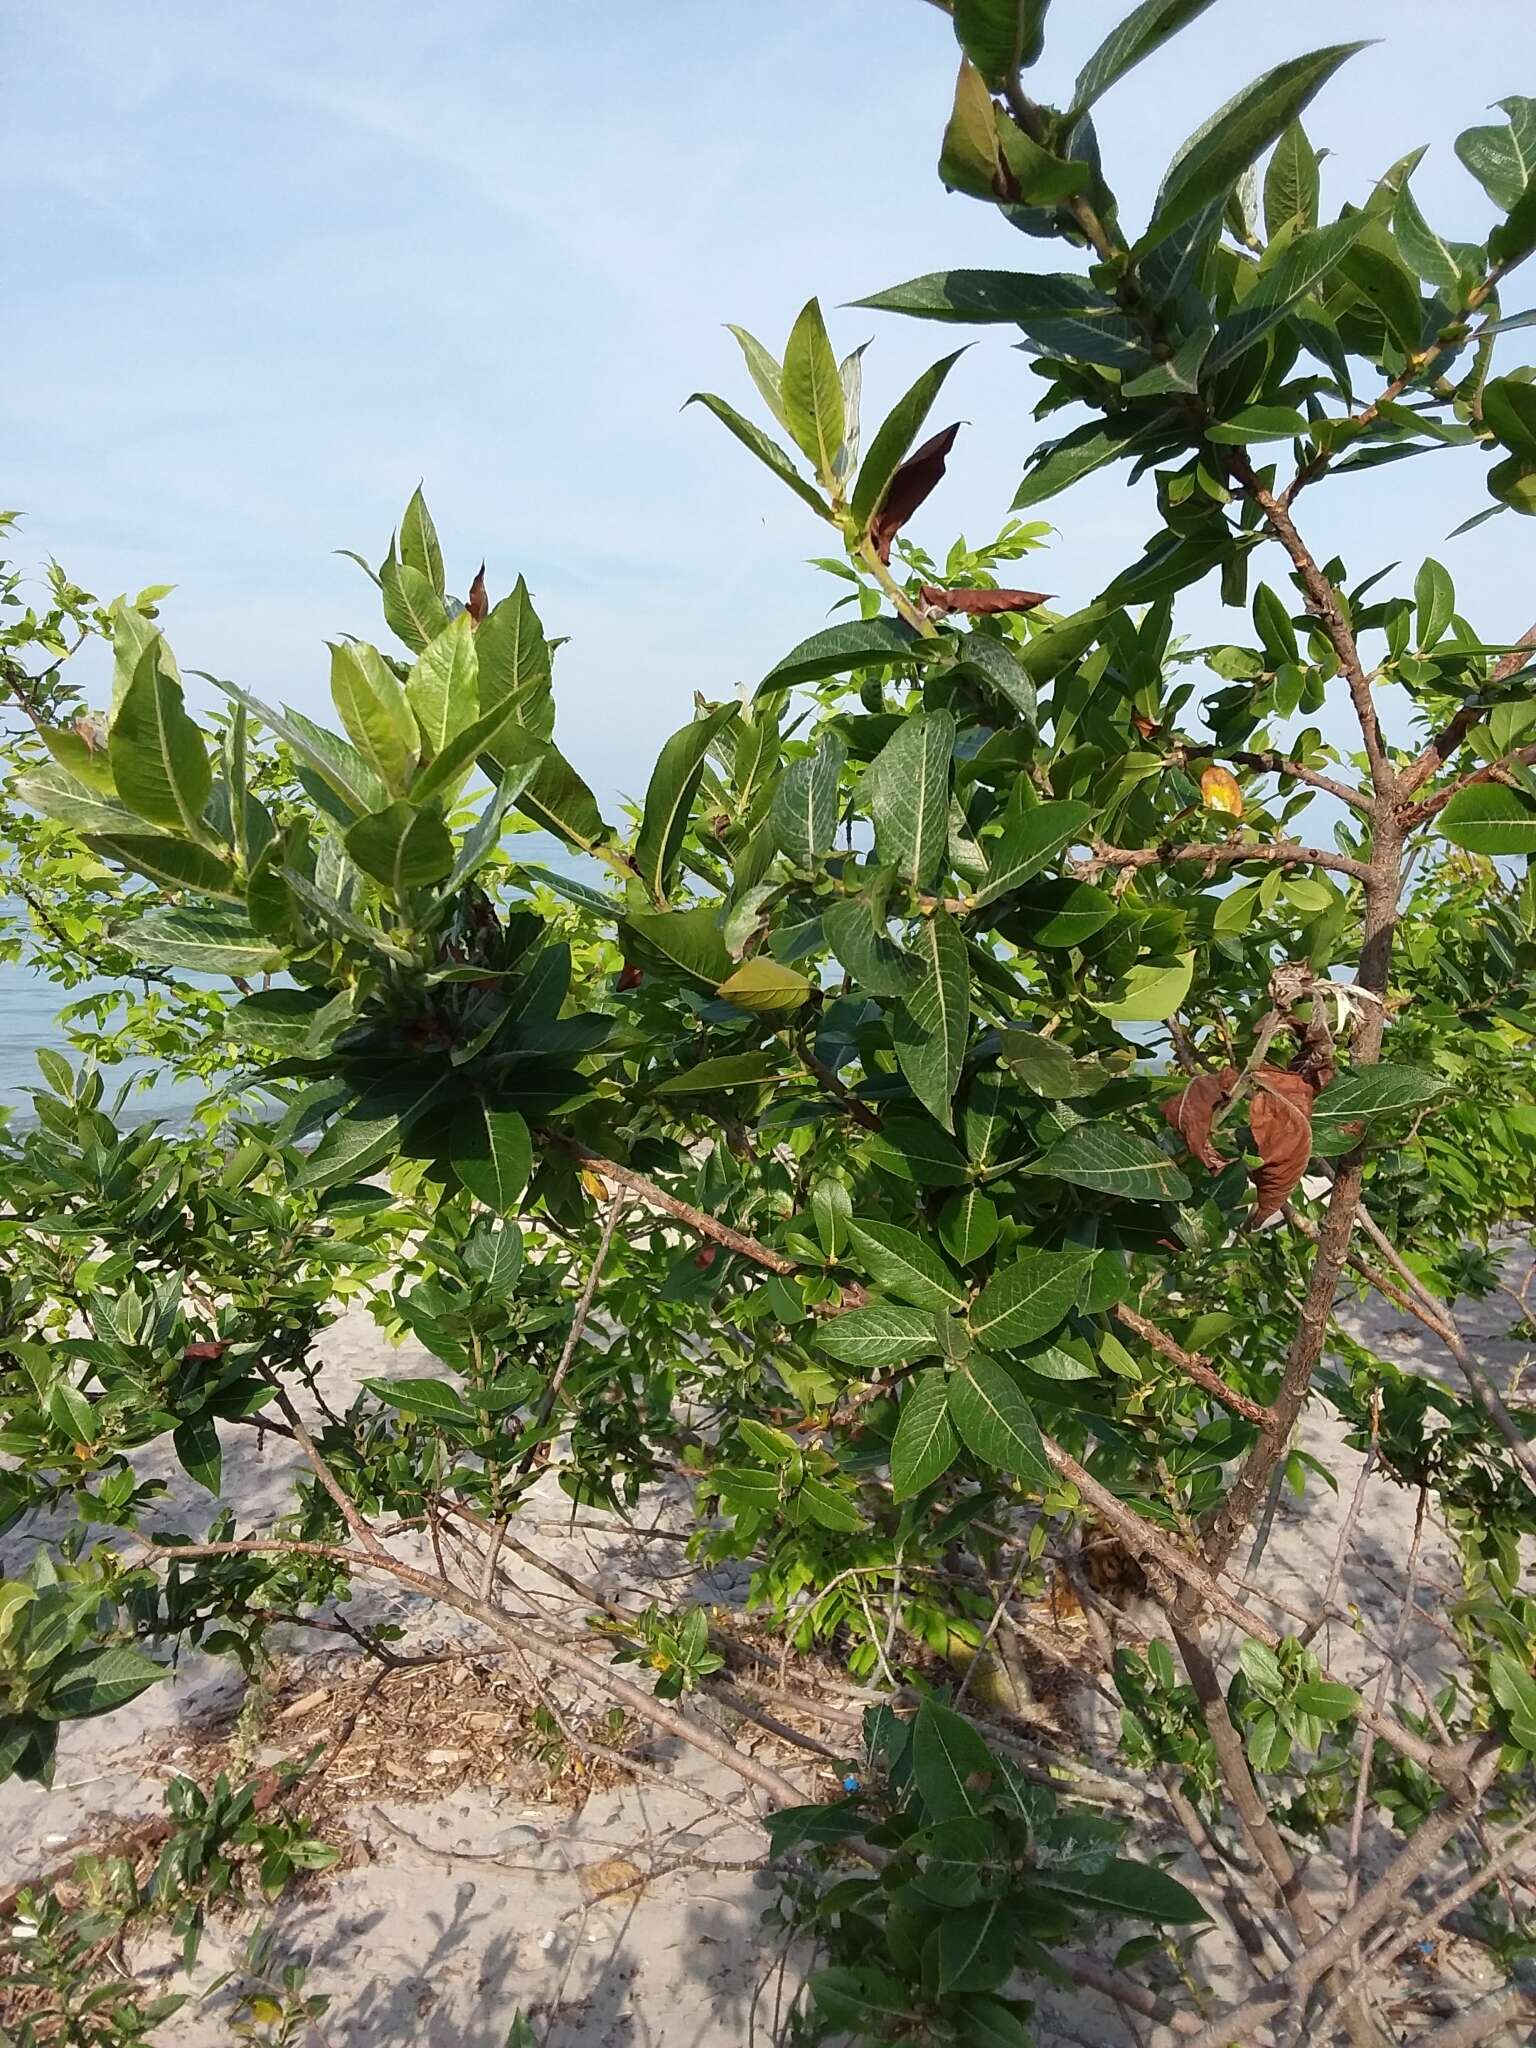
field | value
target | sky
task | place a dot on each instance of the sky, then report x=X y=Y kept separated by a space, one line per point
x=272 y=265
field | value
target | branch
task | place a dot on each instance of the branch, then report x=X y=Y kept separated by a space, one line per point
x=1487 y=2016
x=1293 y=1985
x=1222 y=853
x=708 y=1226
x=520 y=1636
x=1268 y=762
x=1441 y=748
x=1491 y=771
x=1323 y=603
x=1192 y=1364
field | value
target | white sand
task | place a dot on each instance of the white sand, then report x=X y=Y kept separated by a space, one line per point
x=440 y=1944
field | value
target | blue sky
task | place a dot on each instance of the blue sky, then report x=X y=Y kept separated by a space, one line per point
x=271 y=264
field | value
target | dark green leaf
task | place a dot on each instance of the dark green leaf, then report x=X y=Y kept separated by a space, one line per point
x=1113 y=1162
x=159 y=763
x=513 y=663
x=907 y=792
x=892 y=443
x=1291 y=184
x=1489 y=818
x=196 y=1443
x=930 y=1027
x=877 y=966
x=925 y=1444
x=492 y=1154
x=952 y=1767
x=1029 y=1297
x=1125 y=1888
x=1145 y=29
x=97 y=1682
x=731 y=1070
x=1031 y=837
x=669 y=799
x=996 y=1423
x=803 y=817
x=882 y=1335
x=856 y=644
x=1216 y=155
x=767 y=451
x=916 y=1151
x=900 y=1263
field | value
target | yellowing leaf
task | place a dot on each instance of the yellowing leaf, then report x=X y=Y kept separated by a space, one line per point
x=765 y=985
x=1219 y=792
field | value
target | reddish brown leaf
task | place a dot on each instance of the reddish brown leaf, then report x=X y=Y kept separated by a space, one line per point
x=479 y=604
x=1191 y=1112
x=200 y=1354
x=630 y=978
x=1280 y=1117
x=981 y=602
x=907 y=489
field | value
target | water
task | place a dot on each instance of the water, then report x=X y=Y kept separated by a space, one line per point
x=30 y=1006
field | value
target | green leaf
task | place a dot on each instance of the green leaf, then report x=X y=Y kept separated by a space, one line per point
x=1501 y=159
x=1434 y=596
x=196 y=1443
x=1050 y=1070
x=1031 y=837
x=892 y=443
x=765 y=985
x=1326 y=1700
x=1365 y=1092
x=838 y=650
x=882 y=1335
x=777 y=458
x=1291 y=184
x=483 y=735
x=1373 y=266
x=1121 y=1887
x=1260 y=423
x=413 y=611
x=96 y=1682
x=968 y=1225
x=1512 y=1686
x=174 y=863
x=419 y=544
x=765 y=370
x=1310 y=259
x=160 y=766
x=995 y=1421
x=930 y=1027
x=991 y=2022
x=803 y=816
x=925 y=1444
x=952 y=1767
x=492 y=1154
x=980 y=297
x=1145 y=29
x=825 y=1505
x=876 y=964
x=1029 y=1297
x=207 y=941
x=995 y=664
x=371 y=705
x=443 y=688
x=369 y=1130
x=1449 y=265
x=58 y=794
x=1509 y=408
x=689 y=939
x=1151 y=992
x=1215 y=156
x=731 y=1070
x=669 y=799
x=430 y=1400
x=1489 y=818
x=555 y=797
x=1056 y=465
x=900 y=1263
x=1061 y=912
x=1086 y=324
x=1113 y=1162
x=867 y=2000
x=1000 y=37
x=340 y=766
x=812 y=391
x=975 y=1946
x=402 y=847
x=907 y=793
x=917 y=1152
x=513 y=660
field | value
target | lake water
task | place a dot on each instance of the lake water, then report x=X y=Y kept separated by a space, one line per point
x=30 y=1006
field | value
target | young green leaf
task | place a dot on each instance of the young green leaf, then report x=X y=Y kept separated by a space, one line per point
x=813 y=393
x=160 y=765
x=419 y=544
x=443 y=688
x=402 y=846
x=371 y=706
x=1292 y=186
x=1151 y=991
x=413 y=610
x=173 y=863
x=208 y=941
x=766 y=986
x=766 y=451
x=513 y=665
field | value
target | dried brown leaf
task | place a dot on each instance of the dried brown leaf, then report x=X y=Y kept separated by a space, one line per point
x=980 y=603
x=910 y=485
x=479 y=604
x=1280 y=1117
x=1191 y=1111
